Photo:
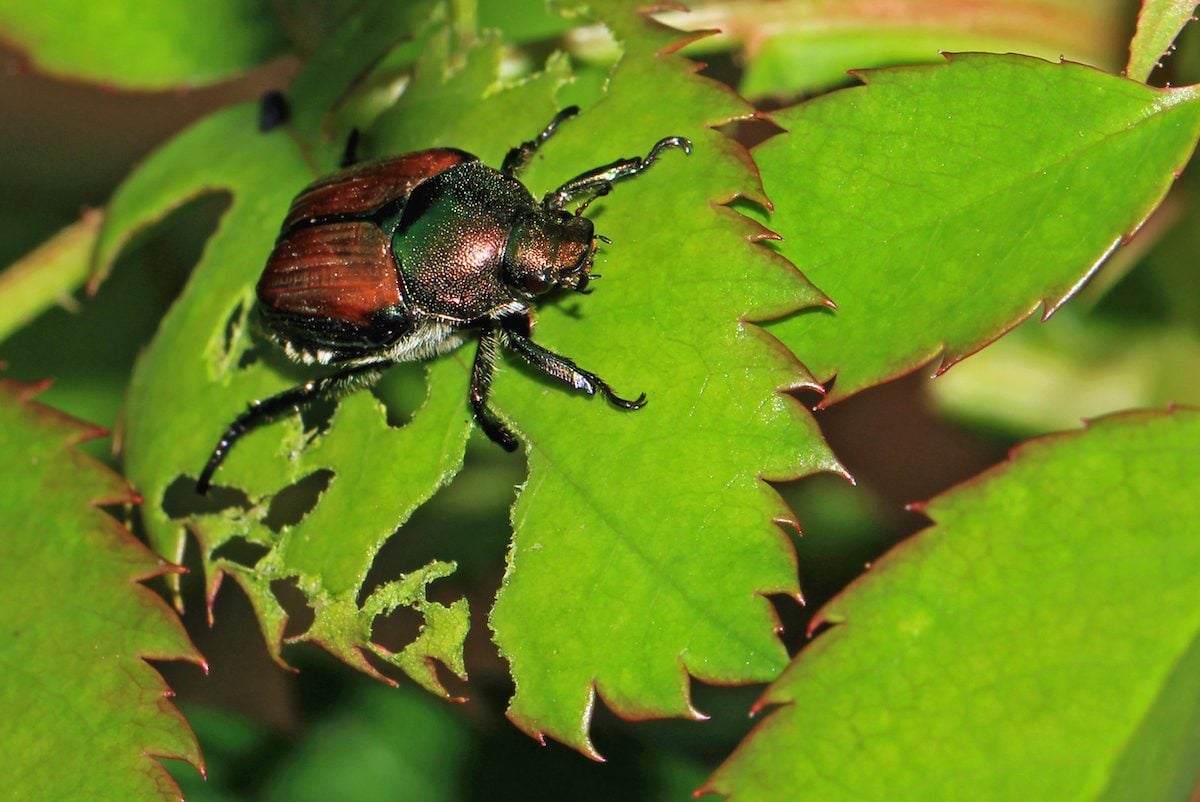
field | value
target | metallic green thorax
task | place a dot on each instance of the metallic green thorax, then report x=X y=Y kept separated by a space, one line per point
x=469 y=235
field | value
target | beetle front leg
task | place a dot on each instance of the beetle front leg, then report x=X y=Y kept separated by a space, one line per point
x=560 y=367
x=264 y=411
x=519 y=156
x=481 y=385
x=599 y=180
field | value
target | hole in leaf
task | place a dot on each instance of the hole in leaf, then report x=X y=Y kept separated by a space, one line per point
x=233 y=327
x=402 y=391
x=241 y=551
x=398 y=628
x=295 y=604
x=182 y=501
x=249 y=357
x=290 y=505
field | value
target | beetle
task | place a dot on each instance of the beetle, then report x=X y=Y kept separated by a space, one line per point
x=395 y=260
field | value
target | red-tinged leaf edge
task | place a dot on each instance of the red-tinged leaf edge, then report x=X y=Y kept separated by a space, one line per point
x=944 y=360
x=823 y=618
x=152 y=566
x=754 y=235
x=826 y=621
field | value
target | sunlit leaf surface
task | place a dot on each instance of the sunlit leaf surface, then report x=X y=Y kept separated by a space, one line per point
x=940 y=206
x=645 y=541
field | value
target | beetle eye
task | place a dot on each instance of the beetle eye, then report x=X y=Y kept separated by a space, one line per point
x=537 y=282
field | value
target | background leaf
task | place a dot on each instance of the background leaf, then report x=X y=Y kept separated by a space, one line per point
x=80 y=700
x=48 y=274
x=940 y=206
x=1038 y=642
x=144 y=46
x=1158 y=26
x=794 y=47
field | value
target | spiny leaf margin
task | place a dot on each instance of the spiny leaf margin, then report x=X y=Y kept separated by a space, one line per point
x=85 y=712
x=646 y=560
x=1011 y=661
x=939 y=206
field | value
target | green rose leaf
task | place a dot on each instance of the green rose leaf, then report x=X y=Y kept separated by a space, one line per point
x=144 y=46
x=1038 y=642
x=79 y=699
x=940 y=206
x=1159 y=24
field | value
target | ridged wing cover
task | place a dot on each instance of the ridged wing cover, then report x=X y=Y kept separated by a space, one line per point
x=366 y=187
x=331 y=282
x=335 y=270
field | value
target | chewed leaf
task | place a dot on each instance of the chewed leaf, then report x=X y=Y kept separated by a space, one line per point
x=655 y=529
x=1040 y=641
x=973 y=193
x=79 y=698
x=205 y=365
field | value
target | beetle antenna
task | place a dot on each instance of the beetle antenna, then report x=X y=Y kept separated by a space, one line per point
x=605 y=240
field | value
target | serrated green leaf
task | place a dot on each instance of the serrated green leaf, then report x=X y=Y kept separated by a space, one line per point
x=138 y=45
x=644 y=541
x=682 y=279
x=940 y=206
x=793 y=47
x=1159 y=23
x=85 y=715
x=1038 y=642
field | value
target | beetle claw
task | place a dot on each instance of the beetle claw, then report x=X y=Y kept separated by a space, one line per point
x=625 y=403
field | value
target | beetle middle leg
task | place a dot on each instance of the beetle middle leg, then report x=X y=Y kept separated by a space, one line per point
x=264 y=411
x=599 y=180
x=481 y=385
x=560 y=367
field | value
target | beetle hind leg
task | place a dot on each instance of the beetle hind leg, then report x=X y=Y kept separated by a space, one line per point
x=261 y=412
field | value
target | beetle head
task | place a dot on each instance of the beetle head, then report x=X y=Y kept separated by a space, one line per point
x=549 y=249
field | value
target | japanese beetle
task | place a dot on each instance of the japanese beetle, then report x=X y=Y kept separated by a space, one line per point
x=394 y=260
